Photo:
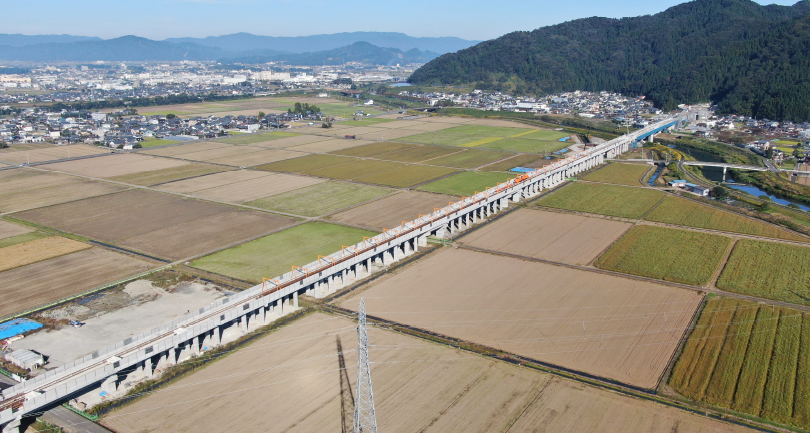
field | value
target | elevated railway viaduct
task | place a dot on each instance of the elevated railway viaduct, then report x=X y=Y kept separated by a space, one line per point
x=193 y=333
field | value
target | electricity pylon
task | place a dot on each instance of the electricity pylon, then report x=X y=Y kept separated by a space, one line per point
x=365 y=418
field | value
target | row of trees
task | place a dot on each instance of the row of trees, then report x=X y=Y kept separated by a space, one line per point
x=302 y=109
x=145 y=102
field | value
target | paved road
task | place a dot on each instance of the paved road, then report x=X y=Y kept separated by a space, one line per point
x=72 y=422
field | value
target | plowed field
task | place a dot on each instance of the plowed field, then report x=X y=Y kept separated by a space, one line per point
x=612 y=327
x=551 y=236
x=391 y=211
x=418 y=387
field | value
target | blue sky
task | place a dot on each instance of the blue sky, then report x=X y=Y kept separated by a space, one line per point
x=160 y=19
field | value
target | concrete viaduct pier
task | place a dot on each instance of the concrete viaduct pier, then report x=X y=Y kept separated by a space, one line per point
x=203 y=329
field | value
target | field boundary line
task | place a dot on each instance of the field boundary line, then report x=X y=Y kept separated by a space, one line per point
x=554 y=370
x=436 y=179
x=655 y=206
x=719 y=271
x=676 y=354
x=391 y=194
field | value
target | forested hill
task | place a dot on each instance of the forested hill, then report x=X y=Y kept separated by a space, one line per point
x=750 y=59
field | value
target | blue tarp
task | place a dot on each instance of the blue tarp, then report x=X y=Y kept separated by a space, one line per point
x=522 y=169
x=564 y=139
x=17 y=327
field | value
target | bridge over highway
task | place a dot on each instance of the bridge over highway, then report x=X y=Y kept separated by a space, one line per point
x=174 y=342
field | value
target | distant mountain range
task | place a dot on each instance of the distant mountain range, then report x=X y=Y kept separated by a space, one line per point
x=305 y=44
x=749 y=59
x=244 y=47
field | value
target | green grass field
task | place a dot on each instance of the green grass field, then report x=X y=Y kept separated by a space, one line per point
x=256 y=138
x=467 y=183
x=515 y=161
x=407 y=176
x=495 y=138
x=420 y=154
x=750 y=358
x=769 y=270
x=618 y=201
x=305 y=163
x=152 y=142
x=684 y=212
x=375 y=150
x=19 y=239
x=620 y=174
x=273 y=255
x=320 y=199
x=666 y=254
x=469 y=158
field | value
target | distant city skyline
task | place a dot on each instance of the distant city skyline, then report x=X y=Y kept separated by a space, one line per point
x=161 y=19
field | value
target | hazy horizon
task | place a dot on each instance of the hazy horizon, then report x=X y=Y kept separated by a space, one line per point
x=158 y=20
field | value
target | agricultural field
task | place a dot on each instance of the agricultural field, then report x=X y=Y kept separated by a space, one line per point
x=29 y=188
x=51 y=280
x=470 y=158
x=618 y=173
x=154 y=142
x=512 y=139
x=420 y=154
x=256 y=138
x=273 y=255
x=391 y=211
x=163 y=225
x=320 y=199
x=531 y=161
x=108 y=166
x=689 y=213
x=667 y=254
x=418 y=386
x=327 y=145
x=240 y=186
x=769 y=270
x=157 y=177
x=407 y=176
x=306 y=163
x=376 y=150
x=19 y=239
x=467 y=183
x=749 y=358
x=25 y=253
x=618 y=201
x=571 y=239
x=8 y=230
x=612 y=327
x=49 y=153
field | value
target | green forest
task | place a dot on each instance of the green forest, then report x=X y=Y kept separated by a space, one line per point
x=747 y=58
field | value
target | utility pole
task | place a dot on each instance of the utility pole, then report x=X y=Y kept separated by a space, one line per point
x=365 y=418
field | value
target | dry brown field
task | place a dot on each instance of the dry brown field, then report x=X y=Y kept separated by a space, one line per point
x=54 y=279
x=219 y=152
x=255 y=189
x=282 y=143
x=38 y=250
x=448 y=120
x=571 y=239
x=215 y=180
x=121 y=164
x=189 y=170
x=330 y=145
x=421 y=127
x=389 y=212
x=51 y=153
x=263 y=156
x=612 y=327
x=159 y=224
x=8 y=229
x=31 y=188
x=182 y=149
x=301 y=378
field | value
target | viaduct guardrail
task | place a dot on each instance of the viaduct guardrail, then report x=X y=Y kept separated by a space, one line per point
x=187 y=336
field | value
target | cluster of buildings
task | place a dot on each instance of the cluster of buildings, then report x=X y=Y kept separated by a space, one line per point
x=121 y=130
x=104 y=81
